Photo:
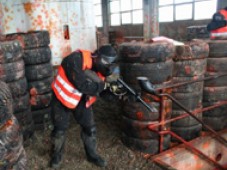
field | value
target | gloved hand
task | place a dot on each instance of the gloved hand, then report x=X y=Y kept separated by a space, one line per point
x=114 y=87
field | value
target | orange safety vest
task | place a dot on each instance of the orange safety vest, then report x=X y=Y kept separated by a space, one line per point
x=65 y=91
x=220 y=32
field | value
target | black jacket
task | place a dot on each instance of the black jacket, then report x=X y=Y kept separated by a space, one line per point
x=72 y=65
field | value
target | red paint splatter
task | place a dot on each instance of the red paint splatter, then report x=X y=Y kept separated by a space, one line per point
x=139 y=115
x=187 y=69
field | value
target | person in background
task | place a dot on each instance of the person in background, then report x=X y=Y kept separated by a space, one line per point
x=12 y=153
x=218 y=25
x=80 y=78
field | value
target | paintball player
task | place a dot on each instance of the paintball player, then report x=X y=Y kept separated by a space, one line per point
x=12 y=153
x=218 y=25
x=79 y=79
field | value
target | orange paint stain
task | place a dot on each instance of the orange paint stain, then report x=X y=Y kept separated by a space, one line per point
x=6 y=9
x=39 y=20
x=206 y=145
x=28 y=7
x=18 y=30
x=187 y=69
x=139 y=115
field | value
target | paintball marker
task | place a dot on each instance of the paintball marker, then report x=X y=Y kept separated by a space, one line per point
x=130 y=90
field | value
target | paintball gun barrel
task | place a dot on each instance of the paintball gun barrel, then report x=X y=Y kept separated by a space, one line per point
x=138 y=97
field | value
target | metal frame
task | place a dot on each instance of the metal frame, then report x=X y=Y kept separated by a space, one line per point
x=161 y=124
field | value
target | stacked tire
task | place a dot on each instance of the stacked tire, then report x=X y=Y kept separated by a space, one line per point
x=215 y=90
x=190 y=63
x=12 y=151
x=197 y=32
x=154 y=61
x=12 y=71
x=39 y=73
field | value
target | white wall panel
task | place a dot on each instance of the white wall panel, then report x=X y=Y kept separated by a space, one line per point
x=52 y=15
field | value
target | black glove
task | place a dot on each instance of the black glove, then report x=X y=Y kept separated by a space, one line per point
x=117 y=88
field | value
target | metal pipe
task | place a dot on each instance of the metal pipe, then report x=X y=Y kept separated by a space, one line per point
x=186 y=114
x=162 y=119
x=219 y=138
x=190 y=82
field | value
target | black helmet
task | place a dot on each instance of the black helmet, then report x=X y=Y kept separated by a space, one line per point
x=6 y=103
x=103 y=60
x=107 y=53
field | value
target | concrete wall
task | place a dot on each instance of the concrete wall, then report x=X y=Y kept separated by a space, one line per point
x=52 y=15
x=176 y=30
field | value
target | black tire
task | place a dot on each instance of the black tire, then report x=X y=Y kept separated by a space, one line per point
x=24 y=117
x=19 y=87
x=217 y=64
x=189 y=88
x=216 y=112
x=138 y=129
x=11 y=144
x=138 y=52
x=199 y=32
x=41 y=116
x=38 y=72
x=32 y=39
x=191 y=101
x=187 y=121
x=137 y=111
x=12 y=71
x=189 y=68
x=21 y=103
x=155 y=72
x=40 y=101
x=37 y=55
x=218 y=48
x=216 y=123
x=150 y=146
x=217 y=82
x=10 y=51
x=214 y=93
x=6 y=103
x=40 y=87
x=187 y=133
x=195 y=49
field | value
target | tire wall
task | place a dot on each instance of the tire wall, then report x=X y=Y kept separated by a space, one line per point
x=215 y=90
x=152 y=60
x=190 y=62
x=39 y=73
x=12 y=71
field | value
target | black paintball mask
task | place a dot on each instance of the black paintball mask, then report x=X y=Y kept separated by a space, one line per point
x=104 y=59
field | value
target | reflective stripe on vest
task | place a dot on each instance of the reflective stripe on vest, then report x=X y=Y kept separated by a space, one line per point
x=65 y=92
x=220 y=32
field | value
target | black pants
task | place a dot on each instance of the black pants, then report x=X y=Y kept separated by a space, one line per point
x=61 y=115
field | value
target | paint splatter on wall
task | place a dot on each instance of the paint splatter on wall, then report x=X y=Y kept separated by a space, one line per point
x=52 y=15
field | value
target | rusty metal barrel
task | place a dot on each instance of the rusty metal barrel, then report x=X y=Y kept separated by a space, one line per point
x=152 y=60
